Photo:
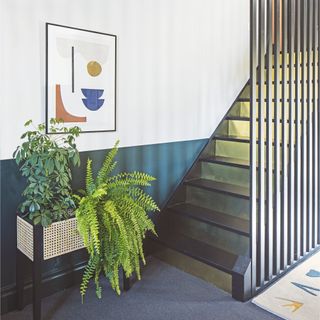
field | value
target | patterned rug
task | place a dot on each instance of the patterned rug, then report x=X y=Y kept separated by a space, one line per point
x=296 y=296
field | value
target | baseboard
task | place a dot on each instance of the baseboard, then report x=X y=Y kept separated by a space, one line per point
x=52 y=283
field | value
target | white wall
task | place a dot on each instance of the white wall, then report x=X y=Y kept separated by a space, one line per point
x=181 y=63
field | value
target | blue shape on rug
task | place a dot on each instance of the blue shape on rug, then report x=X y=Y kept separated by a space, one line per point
x=307 y=289
x=313 y=273
x=92 y=101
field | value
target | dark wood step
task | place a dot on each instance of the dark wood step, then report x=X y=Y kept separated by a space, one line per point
x=233 y=138
x=288 y=65
x=219 y=219
x=273 y=100
x=233 y=162
x=221 y=187
x=241 y=118
x=198 y=250
x=237 y=118
x=239 y=139
x=280 y=82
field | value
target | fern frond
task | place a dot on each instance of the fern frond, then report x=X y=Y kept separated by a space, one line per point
x=129 y=179
x=123 y=237
x=96 y=280
x=143 y=199
x=108 y=164
x=89 y=178
x=93 y=222
x=88 y=275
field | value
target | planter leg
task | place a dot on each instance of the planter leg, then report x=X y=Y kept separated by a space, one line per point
x=126 y=282
x=37 y=271
x=20 y=279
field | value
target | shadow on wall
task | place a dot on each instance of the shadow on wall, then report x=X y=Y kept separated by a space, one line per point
x=167 y=162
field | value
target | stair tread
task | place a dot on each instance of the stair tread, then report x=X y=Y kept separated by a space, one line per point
x=237 y=118
x=200 y=251
x=241 y=139
x=280 y=82
x=220 y=187
x=220 y=219
x=273 y=100
x=242 y=118
x=230 y=137
x=227 y=160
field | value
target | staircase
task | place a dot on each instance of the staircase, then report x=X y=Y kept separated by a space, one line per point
x=249 y=209
x=204 y=230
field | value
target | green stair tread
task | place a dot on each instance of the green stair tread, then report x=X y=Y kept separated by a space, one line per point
x=241 y=118
x=273 y=100
x=198 y=250
x=220 y=187
x=237 y=118
x=280 y=82
x=240 y=139
x=216 y=218
x=229 y=137
x=227 y=161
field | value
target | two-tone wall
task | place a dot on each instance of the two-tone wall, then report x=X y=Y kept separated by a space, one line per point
x=180 y=65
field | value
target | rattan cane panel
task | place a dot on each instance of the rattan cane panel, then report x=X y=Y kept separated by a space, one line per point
x=25 y=237
x=60 y=238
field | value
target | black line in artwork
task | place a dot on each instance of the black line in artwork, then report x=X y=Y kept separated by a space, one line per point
x=72 y=67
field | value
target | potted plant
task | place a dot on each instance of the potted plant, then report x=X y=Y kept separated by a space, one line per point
x=112 y=219
x=45 y=161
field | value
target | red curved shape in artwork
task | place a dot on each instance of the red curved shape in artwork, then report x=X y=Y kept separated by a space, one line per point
x=62 y=113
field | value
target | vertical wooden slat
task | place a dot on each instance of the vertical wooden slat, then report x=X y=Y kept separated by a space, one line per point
x=253 y=156
x=291 y=170
x=297 y=134
x=309 y=128
x=318 y=126
x=269 y=149
x=261 y=147
x=303 y=129
x=314 y=127
x=277 y=190
x=284 y=149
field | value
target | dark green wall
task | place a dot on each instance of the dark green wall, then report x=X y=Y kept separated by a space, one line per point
x=167 y=162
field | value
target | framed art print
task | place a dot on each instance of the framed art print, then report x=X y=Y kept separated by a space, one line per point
x=81 y=78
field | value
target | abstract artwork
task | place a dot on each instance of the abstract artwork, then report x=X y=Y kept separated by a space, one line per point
x=81 y=78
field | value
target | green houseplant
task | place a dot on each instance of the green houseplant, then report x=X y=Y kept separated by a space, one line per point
x=112 y=219
x=45 y=160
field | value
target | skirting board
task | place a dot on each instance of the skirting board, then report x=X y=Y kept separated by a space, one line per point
x=52 y=283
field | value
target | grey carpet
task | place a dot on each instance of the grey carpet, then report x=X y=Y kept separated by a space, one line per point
x=163 y=293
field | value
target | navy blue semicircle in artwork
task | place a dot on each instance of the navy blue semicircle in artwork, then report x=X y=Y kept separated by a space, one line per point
x=92 y=99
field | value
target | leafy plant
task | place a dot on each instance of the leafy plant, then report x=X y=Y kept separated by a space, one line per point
x=112 y=219
x=45 y=161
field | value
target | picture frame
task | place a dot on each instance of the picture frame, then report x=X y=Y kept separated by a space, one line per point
x=81 y=78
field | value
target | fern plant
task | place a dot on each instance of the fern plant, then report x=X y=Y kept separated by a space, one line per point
x=112 y=220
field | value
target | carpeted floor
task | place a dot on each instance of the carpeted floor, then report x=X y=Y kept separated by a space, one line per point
x=163 y=293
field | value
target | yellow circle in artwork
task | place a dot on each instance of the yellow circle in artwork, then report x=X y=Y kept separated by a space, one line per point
x=94 y=68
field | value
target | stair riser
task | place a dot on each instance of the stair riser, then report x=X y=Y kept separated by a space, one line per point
x=235 y=149
x=210 y=234
x=223 y=128
x=242 y=108
x=224 y=173
x=231 y=149
x=242 y=128
x=196 y=268
x=246 y=92
x=220 y=202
